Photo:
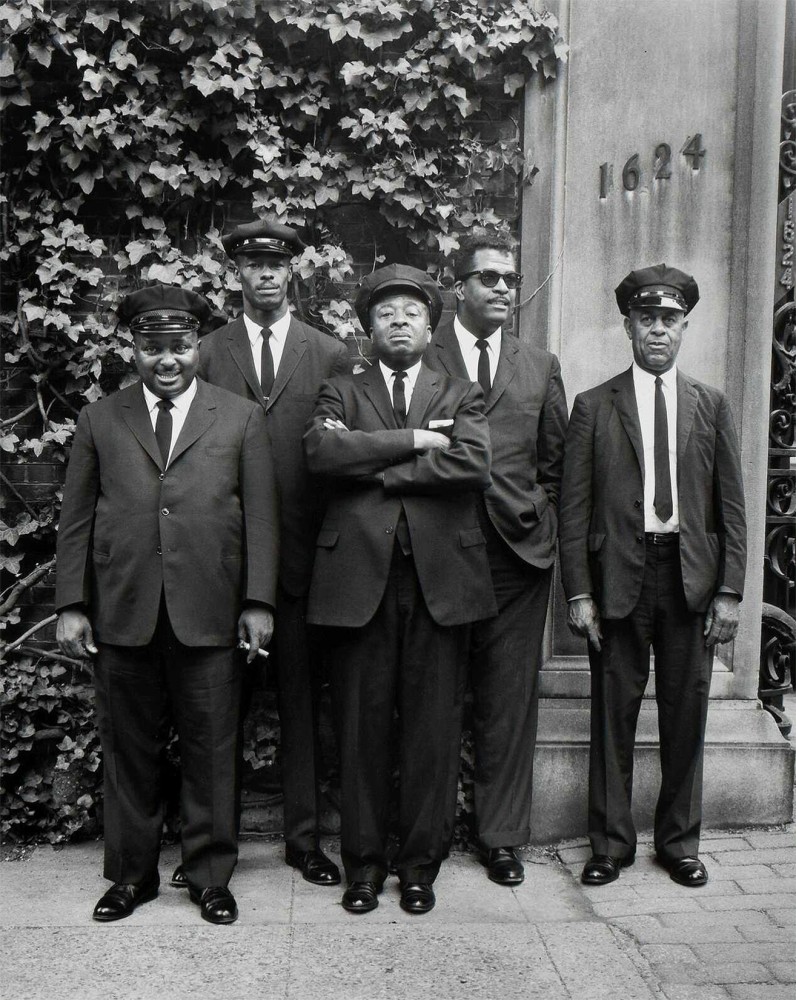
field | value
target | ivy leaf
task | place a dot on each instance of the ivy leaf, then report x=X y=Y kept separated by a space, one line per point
x=512 y=82
x=167 y=273
x=41 y=53
x=101 y=20
x=120 y=57
x=8 y=442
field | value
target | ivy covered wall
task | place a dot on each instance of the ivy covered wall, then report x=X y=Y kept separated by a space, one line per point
x=135 y=133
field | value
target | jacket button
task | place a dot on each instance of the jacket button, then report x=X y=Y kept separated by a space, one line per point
x=162 y=476
x=165 y=511
x=159 y=551
x=388 y=531
x=636 y=504
x=639 y=538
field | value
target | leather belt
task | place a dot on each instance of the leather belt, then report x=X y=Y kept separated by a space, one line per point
x=664 y=538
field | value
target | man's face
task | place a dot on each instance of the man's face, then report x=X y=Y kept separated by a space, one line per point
x=166 y=362
x=656 y=335
x=399 y=329
x=264 y=278
x=482 y=310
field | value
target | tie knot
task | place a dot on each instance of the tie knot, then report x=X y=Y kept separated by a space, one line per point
x=399 y=376
x=658 y=380
x=164 y=405
x=266 y=332
x=482 y=344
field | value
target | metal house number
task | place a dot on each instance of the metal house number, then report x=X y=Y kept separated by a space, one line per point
x=661 y=165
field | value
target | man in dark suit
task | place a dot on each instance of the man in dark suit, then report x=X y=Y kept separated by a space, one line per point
x=653 y=554
x=269 y=356
x=527 y=414
x=399 y=573
x=167 y=556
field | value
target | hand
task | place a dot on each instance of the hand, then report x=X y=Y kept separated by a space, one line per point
x=74 y=634
x=255 y=626
x=429 y=440
x=330 y=424
x=721 y=619
x=584 y=619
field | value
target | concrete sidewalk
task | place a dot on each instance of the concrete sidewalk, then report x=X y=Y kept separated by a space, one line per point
x=642 y=937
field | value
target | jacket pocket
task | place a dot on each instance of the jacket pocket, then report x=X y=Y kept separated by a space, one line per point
x=594 y=542
x=327 y=538
x=471 y=536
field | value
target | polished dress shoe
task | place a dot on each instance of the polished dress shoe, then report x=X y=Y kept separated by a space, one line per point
x=685 y=871
x=503 y=866
x=417 y=897
x=314 y=866
x=216 y=902
x=178 y=878
x=361 y=897
x=122 y=898
x=601 y=869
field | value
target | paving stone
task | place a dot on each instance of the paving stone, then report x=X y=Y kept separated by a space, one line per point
x=657 y=954
x=783 y=917
x=759 y=992
x=784 y=838
x=713 y=973
x=771 y=933
x=785 y=972
x=766 y=885
x=687 y=991
x=591 y=965
x=755 y=951
x=644 y=904
x=767 y=856
x=716 y=918
x=785 y=871
x=710 y=846
x=723 y=873
x=649 y=930
x=755 y=901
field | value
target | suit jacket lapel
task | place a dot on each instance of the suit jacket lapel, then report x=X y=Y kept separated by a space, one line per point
x=506 y=369
x=424 y=391
x=200 y=416
x=686 y=406
x=446 y=346
x=295 y=346
x=626 y=407
x=241 y=350
x=136 y=416
x=375 y=389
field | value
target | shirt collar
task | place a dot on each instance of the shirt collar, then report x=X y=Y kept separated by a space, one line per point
x=279 y=328
x=463 y=333
x=181 y=402
x=411 y=374
x=641 y=377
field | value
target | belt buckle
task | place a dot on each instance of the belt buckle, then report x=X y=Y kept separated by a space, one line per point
x=663 y=537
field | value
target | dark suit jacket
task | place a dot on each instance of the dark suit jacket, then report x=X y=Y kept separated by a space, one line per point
x=527 y=414
x=204 y=530
x=225 y=359
x=436 y=490
x=602 y=496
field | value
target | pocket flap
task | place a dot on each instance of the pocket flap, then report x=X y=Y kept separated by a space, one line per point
x=471 y=536
x=595 y=542
x=327 y=538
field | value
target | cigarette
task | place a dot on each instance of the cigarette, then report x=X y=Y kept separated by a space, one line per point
x=247 y=646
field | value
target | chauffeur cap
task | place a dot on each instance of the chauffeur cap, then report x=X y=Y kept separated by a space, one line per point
x=164 y=309
x=661 y=286
x=397 y=278
x=263 y=236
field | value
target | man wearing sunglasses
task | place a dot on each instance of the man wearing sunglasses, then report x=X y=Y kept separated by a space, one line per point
x=527 y=413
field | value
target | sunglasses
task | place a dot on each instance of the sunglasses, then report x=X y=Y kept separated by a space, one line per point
x=490 y=279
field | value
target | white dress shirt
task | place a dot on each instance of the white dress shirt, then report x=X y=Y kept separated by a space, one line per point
x=179 y=411
x=471 y=353
x=644 y=385
x=277 y=340
x=409 y=381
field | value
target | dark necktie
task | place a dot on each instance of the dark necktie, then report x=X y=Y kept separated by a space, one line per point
x=663 y=480
x=266 y=363
x=163 y=426
x=399 y=397
x=484 y=378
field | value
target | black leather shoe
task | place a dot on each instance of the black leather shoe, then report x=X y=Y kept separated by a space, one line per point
x=686 y=871
x=503 y=866
x=314 y=866
x=178 y=879
x=361 y=897
x=122 y=898
x=601 y=869
x=217 y=904
x=417 y=897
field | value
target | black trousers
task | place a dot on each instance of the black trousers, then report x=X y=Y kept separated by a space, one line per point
x=401 y=663
x=505 y=660
x=298 y=663
x=139 y=690
x=619 y=673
